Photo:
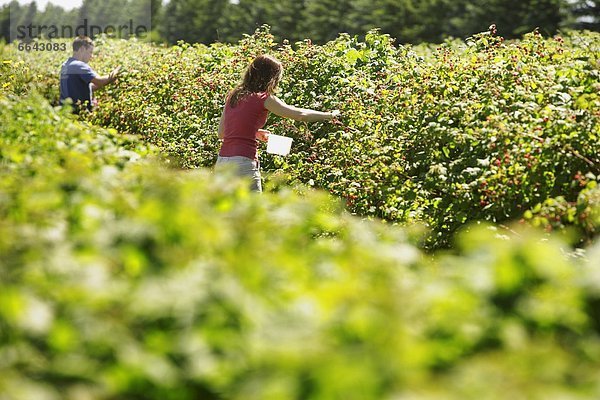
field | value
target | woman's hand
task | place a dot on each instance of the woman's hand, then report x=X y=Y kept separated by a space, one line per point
x=262 y=135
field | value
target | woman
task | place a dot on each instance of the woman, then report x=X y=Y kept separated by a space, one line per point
x=245 y=113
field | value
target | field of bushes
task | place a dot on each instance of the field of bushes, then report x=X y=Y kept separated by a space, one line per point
x=439 y=241
x=477 y=130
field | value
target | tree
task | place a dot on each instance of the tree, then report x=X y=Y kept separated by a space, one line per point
x=54 y=15
x=27 y=19
x=5 y=22
x=393 y=17
x=513 y=17
x=243 y=17
x=437 y=20
x=409 y=21
x=193 y=20
x=587 y=14
x=285 y=20
x=156 y=12
x=145 y=13
x=323 y=20
x=116 y=13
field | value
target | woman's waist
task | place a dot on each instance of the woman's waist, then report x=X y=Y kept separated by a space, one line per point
x=245 y=148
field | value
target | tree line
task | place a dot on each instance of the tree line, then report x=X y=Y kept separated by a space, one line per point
x=408 y=21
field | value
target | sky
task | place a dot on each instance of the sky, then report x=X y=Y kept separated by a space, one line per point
x=66 y=4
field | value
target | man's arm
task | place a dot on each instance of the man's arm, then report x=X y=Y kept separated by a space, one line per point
x=101 y=81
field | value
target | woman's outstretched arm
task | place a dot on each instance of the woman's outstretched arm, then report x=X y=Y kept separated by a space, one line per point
x=278 y=107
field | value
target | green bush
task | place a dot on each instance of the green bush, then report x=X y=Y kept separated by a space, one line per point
x=560 y=214
x=123 y=279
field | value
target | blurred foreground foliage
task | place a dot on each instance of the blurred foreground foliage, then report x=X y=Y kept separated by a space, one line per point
x=123 y=279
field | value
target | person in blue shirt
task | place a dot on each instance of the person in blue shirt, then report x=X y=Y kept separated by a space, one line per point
x=78 y=80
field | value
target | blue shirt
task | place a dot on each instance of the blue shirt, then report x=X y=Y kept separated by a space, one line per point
x=75 y=82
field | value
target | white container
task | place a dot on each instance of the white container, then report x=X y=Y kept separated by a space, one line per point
x=279 y=145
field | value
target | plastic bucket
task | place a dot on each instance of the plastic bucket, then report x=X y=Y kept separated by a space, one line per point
x=279 y=145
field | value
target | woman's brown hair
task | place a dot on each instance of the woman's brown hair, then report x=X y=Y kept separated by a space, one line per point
x=262 y=75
